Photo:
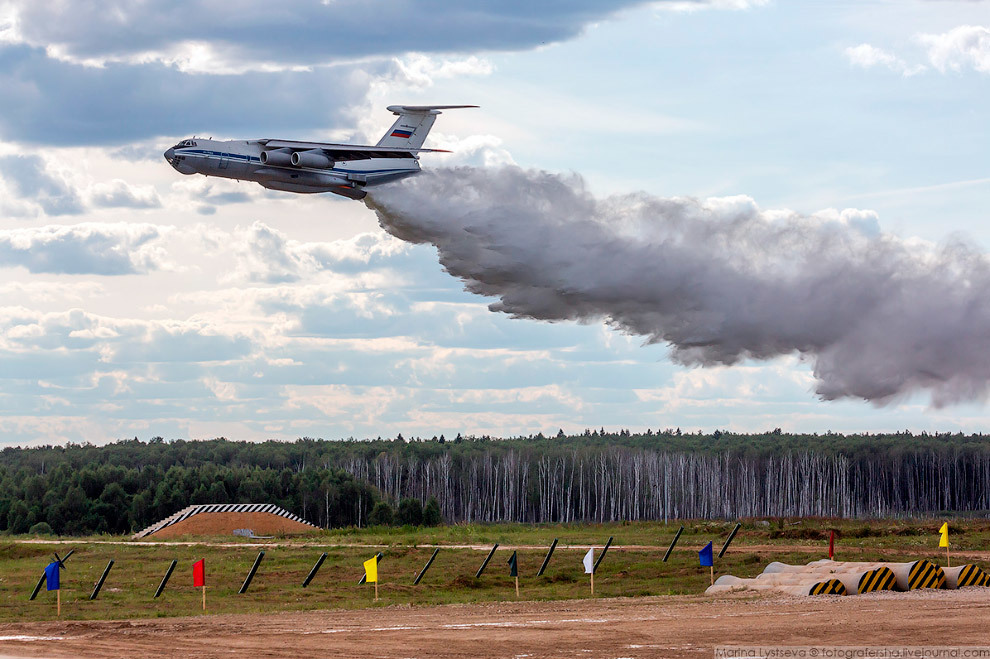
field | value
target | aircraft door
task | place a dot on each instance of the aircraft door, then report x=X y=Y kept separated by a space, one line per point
x=224 y=161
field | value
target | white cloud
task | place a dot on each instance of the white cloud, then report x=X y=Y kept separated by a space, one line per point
x=963 y=47
x=868 y=57
x=119 y=194
x=966 y=46
x=688 y=6
x=86 y=248
x=421 y=70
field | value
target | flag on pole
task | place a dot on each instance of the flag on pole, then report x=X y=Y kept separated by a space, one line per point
x=831 y=544
x=371 y=570
x=52 y=576
x=589 y=561
x=944 y=540
x=705 y=556
x=199 y=574
x=513 y=566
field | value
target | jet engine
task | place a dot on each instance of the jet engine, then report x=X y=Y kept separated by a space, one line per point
x=313 y=158
x=277 y=157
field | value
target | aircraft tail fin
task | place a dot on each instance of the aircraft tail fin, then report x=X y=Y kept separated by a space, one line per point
x=413 y=125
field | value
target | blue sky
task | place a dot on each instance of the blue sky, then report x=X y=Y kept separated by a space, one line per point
x=137 y=302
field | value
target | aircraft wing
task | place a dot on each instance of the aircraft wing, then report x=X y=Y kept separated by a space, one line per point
x=329 y=146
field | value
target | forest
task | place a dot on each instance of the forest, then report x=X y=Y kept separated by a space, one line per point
x=596 y=476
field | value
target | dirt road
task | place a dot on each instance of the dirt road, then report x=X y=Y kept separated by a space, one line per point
x=640 y=627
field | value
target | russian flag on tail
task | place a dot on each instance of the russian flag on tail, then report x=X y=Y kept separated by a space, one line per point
x=398 y=132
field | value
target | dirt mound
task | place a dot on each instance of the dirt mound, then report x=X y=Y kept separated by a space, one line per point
x=224 y=523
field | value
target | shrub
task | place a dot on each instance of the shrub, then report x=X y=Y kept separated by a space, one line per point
x=41 y=528
x=381 y=515
x=410 y=512
x=431 y=513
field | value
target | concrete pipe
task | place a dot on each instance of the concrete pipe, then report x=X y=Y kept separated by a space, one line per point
x=909 y=576
x=964 y=575
x=791 y=584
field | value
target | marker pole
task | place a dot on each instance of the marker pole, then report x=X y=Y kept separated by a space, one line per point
x=204 y=598
x=592 y=583
x=376 y=590
x=58 y=601
x=546 y=561
x=41 y=581
x=517 y=587
x=672 y=543
x=728 y=540
x=712 y=568
x=168 y=573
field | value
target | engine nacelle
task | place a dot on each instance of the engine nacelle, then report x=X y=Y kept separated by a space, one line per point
x=277 y=157
x=314 y=158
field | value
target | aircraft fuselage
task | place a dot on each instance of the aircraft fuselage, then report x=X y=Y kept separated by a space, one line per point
x=340 y=169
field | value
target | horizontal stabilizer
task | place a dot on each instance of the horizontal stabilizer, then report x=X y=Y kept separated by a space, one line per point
x=420 y=109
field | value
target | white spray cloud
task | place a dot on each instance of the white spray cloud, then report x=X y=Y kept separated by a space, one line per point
x=719 y=281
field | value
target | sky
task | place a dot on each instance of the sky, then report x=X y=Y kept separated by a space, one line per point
x=137 y=302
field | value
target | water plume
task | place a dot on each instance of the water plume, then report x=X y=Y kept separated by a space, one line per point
x=719 y=281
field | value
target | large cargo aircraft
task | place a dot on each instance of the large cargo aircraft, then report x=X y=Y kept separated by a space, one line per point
x=308 y=167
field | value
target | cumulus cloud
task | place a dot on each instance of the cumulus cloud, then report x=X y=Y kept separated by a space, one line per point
x=261 y=36
x=868 y=57
x=87 y=248
x=963 y=47
x=29 y=178
x=42 y=99
x=699 y=5
x=719 y=281
x=966 y=46
x=266 y=255
x=120 y=194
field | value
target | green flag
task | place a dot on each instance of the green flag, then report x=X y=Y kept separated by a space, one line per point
x=513 y=566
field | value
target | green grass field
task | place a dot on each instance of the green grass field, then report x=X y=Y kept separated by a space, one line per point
x=626 y=571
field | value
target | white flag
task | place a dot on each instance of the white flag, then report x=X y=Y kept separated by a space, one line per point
x=589 y=561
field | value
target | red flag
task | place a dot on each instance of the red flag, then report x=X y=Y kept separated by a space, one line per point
x=831 y=544
x=199 y=574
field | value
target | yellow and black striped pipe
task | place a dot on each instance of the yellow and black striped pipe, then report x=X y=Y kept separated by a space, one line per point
x=882 y=578
x=961 y=576
x=925 y=574
x=828 y=587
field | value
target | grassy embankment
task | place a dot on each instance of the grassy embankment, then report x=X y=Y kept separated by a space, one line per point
x=627 y=570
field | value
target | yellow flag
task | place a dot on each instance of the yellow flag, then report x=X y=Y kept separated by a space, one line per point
x=944 y=540
x=371 y=570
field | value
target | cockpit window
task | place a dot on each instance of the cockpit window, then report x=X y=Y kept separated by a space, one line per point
x=184 y=144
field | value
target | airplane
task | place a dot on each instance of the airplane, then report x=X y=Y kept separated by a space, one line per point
x=311 y=167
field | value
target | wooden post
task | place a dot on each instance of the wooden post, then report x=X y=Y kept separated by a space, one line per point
x=204 y=598
x=376 y=590
x=712 y=567
x=58 y=602
x=592 y=583
x=517 y=587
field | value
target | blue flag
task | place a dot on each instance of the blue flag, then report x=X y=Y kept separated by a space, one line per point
x=51 y=575
x=705 y=556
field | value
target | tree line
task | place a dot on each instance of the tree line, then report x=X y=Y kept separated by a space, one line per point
x=594 y=476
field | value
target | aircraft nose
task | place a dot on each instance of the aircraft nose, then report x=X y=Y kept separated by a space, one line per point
x=169 y=155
